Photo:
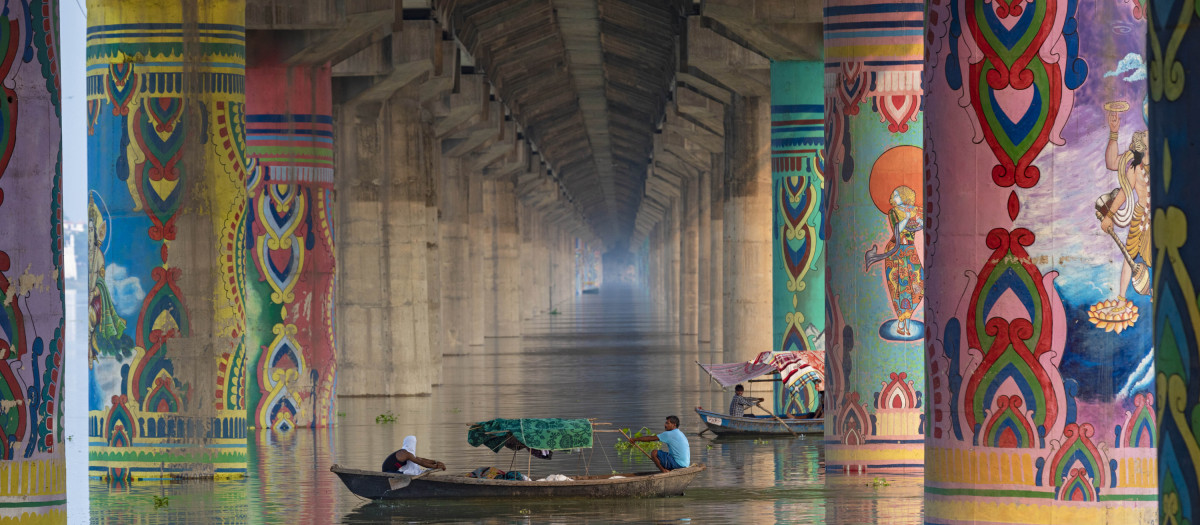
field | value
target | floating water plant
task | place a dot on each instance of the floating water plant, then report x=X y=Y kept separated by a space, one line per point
x=386 y=417
x=626 y=446
x=161 y=501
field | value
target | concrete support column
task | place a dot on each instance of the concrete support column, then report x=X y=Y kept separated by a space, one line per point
x=544 y=272
x=455 y=251
x=1040 y=347
x=408 y=147
x=689 y=313
x=290 y=261
x=528 y=262
x=704 y=258
x=674 y=275
x=479 y=243
x=747 y=244
x=490 y=264
x=716 y=329
x=167 y=172
x=432 y=166
x=508 y=262
x=798 y=233
x=31 y=250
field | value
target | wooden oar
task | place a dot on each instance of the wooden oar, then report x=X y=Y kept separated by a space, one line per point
x=635 y=445
x=777 y=418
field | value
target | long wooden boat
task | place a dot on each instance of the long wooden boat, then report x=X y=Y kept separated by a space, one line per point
x=391 y=486
x=725 y=424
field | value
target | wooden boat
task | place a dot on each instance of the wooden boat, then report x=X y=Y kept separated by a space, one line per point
x=391 y=486
x=725 y=424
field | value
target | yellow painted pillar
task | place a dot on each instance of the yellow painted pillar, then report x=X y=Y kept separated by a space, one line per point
x=167 y=176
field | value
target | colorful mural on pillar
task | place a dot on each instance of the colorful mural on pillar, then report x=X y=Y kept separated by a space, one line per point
x=798 y=236
x=290 y=250
x=167 y=203
x=32 y=465
x=876 y=280
x=1172 y=61
x=1040 y=362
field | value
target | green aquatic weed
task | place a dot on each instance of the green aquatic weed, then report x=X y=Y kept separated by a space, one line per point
x=386 y=417
x=161 y=501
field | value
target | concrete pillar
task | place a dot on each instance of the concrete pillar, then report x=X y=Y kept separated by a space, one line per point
x=508 y=261
x=798 y=236
x=490 y=260
x=1175 y=322
x=1040 y=346
x=408 y=148
x=528 y=261
x=290 y=262
x=544 y=271
x=689 y=315
x=704 y=258
x=455 y=251
x=478 y=240
x=363 y=288
x=31 y=271
x=431 y=164
x=747 y=225
x=716 y=329
x=674 y=267
x=167 y=172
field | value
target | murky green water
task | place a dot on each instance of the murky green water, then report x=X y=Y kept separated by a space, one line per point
x=608 y=357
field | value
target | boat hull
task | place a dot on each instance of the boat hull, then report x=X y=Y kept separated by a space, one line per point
x=387 y=486
x=726 y=425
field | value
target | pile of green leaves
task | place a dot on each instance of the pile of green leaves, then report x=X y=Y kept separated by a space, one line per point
x=623 y=445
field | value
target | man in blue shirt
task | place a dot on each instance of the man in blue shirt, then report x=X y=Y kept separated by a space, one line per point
x=678 y=455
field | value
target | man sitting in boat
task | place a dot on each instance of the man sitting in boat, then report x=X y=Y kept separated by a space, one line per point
x=405 y=460
x=740 y=403
x=678 y=454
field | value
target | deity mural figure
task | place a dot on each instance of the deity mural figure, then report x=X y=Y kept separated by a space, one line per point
x=903 y=271
x=1127 y=206
x=105 y=326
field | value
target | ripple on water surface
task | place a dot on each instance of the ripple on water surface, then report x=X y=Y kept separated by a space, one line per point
x=609 y=357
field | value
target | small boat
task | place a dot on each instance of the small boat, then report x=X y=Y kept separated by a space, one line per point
x=390 y=486
x=725 y=424
x=540 y=437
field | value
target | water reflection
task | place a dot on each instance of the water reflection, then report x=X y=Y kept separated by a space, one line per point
x=606 y=357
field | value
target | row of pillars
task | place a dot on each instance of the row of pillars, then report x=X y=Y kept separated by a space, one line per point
x=257 y=249
x=957 y=206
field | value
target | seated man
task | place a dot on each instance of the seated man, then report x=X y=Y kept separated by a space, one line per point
x=678 y=454
x=739 y=403
x=405 y=460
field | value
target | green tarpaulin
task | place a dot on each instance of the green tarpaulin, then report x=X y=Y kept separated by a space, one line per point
x=541 y=434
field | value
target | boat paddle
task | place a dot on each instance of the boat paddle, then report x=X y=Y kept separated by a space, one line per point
x=635 y=445
x=777 y=418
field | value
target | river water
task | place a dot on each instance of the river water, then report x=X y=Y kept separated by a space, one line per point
x=609 y=356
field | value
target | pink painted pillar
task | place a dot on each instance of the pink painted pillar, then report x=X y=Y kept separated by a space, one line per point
x=292 y=363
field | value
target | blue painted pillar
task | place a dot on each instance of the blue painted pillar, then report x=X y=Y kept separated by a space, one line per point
x=798 y=234
x=875 y=371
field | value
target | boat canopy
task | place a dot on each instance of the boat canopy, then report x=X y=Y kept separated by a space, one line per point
x=795 y=369
x=535 y=434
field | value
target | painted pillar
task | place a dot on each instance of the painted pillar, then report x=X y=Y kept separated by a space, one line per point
x=748 y=231
x=689 y=314
x=1172 y=59
x=167 y=169
x=876 y=368
x=1040 y=361
x=455 y=260
x=798 y=233
x=31 y=260
x=716 y=329
x=290 y=258
x=704 y=253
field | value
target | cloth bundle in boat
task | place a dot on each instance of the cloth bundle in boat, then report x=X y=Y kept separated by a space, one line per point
x=795 y=368
x=542 y=434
